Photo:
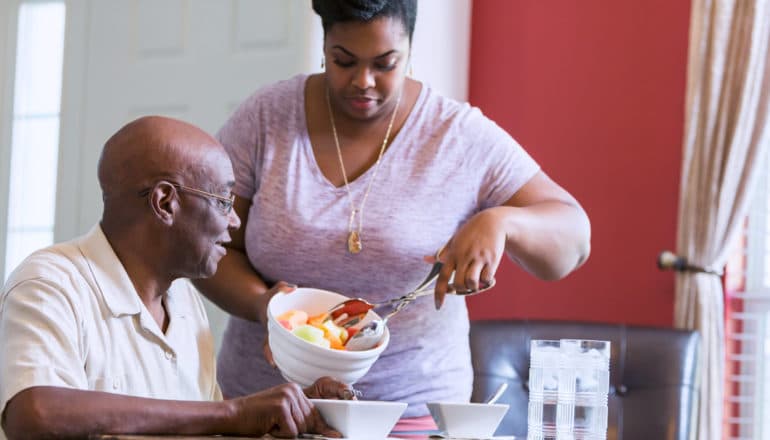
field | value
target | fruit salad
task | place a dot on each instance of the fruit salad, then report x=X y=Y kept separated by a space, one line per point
x=320 y=329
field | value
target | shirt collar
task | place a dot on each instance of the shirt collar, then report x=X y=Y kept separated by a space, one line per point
x=111 y=277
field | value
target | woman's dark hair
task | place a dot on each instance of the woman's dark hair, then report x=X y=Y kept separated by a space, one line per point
x=336 y=11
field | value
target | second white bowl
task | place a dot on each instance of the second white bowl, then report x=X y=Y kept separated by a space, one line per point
x=467 y=420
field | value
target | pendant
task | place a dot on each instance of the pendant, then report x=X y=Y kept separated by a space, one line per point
x=354 y=242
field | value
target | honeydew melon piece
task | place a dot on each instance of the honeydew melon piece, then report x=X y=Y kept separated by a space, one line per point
x=311 y=334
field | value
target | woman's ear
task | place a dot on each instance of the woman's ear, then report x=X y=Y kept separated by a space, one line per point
x=163 y=202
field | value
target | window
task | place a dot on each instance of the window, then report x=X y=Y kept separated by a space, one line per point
x=747 y=326
x=35 y=129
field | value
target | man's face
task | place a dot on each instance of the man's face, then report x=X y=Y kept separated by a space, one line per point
x=203 y=221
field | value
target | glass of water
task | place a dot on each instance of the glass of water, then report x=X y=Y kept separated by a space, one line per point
x=544 y=363
x=584 y=412
x=568 y=388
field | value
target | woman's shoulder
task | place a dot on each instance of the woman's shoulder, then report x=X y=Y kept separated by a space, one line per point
x=441 y=110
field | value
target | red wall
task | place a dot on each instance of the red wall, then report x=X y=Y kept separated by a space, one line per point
x=594 y=90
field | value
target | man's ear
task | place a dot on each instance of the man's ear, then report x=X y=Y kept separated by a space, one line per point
x=163 y=202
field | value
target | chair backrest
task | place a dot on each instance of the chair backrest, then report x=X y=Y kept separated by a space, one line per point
x=652 y=374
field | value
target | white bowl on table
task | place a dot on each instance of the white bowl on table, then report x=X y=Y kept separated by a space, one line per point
x=302 y=362
x=467 y=420
x=360 y=419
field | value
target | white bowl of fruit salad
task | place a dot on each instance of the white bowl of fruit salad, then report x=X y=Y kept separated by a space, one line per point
x=306 y=345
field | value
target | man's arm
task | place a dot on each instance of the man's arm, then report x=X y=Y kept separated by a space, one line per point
x=45 y=392
x=46 y=411
x=282 y=411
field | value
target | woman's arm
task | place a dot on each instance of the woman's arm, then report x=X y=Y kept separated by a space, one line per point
x=547 y=231
x=236 y=287
x=542 y=228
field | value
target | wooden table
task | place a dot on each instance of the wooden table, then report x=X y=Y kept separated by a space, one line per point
x=205 y=437
x=415 y=436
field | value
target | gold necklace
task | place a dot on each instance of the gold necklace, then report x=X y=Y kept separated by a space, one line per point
x=354 y=235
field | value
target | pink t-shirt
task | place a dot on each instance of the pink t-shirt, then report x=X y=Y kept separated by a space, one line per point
x=447 y=163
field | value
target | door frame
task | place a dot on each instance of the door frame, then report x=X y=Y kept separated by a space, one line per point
x=74 y=84
x=9 y=13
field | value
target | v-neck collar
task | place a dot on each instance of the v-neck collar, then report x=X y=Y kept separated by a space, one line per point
x=363 y=179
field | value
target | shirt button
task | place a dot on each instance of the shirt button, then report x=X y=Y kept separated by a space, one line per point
x=115 y=384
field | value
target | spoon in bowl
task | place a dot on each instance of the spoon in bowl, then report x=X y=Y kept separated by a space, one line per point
x=497 y=394
x=371 y=334
x=490 y=400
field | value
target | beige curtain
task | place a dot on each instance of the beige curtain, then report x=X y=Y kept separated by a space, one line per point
x=727 y=132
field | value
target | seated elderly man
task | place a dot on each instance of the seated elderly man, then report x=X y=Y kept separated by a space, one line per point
x=103 y=335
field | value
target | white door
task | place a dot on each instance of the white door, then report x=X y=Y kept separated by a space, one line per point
x=190 y=59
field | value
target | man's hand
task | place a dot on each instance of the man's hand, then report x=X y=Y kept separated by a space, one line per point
x=281 y=411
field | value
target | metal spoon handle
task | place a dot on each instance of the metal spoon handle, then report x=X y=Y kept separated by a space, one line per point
x=432 y=275
x=498 y=392
x=426 y=290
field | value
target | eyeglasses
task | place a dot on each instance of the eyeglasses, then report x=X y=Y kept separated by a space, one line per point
x=223 y=204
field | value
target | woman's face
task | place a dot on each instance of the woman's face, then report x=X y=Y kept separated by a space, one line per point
x=366 y=66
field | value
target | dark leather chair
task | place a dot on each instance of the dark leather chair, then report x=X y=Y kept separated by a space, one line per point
x=652 y=374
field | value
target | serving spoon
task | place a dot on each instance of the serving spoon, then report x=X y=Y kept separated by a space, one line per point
x=371 y=334
x=358 y=307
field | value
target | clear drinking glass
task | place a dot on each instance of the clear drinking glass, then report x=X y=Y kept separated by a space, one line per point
x=568 y=387
x=583 y=390
x=543 y=389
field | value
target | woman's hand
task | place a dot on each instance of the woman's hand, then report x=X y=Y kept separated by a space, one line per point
x=264 y=299
x=473 y=254
x=541 y=227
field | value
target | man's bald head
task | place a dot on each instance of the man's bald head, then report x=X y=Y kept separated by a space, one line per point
x=148 y=149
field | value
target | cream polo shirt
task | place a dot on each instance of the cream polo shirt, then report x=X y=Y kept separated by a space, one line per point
x=70 y=317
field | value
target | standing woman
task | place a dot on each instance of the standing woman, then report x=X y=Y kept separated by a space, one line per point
x=348 y=179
